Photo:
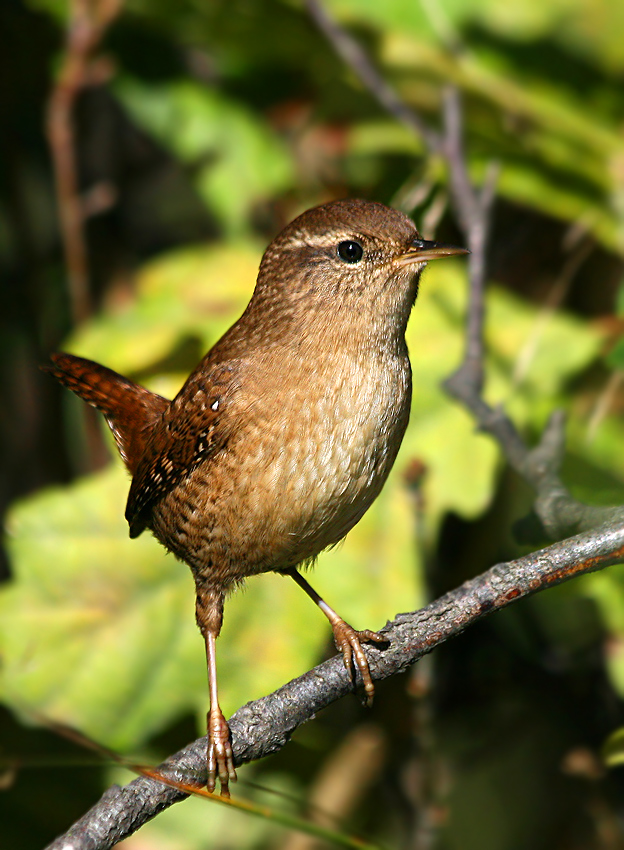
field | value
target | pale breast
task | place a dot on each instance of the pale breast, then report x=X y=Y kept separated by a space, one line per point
x=297 y=477
x=316 y=466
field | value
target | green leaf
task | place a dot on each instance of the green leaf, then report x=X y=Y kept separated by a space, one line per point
x=615 y=358
x=98 y=631
x=237 y=158
x=530 y=359
x=194 y=292
x=613 y=749
x=550 y=121
x=95 y=631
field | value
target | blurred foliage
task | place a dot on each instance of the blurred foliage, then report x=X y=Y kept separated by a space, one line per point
x=218 y=123
x=197 y=126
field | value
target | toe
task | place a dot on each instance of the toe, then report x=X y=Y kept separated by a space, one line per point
x=348 y=641
x=220 y=758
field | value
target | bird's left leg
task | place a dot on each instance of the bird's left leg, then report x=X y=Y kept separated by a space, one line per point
x=220 y=762
x=346 y=638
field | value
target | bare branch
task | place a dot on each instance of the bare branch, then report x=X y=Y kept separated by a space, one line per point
x=473 y=212
x=264 y=726
x=87 y=24
x=356 y=58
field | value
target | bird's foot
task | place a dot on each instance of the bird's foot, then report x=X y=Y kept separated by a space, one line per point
x=349 y=642
x=220 y=759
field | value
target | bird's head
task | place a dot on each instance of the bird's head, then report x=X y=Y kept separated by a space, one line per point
x=344 y=260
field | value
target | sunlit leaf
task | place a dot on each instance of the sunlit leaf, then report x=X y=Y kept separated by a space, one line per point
x=238 y=160
x=613 y=749
x=194 y=292
x=98 y=630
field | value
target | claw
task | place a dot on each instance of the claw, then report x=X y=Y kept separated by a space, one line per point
x=349 y=642
x=220 y=758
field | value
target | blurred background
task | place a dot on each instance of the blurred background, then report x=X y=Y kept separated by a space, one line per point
x=150 y=151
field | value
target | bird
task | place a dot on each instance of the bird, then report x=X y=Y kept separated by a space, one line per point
x=284 y=434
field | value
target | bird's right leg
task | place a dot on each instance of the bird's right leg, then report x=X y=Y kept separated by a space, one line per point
x=347 y=639
x=220 y=762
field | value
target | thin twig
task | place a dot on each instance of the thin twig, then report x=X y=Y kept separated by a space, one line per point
x=356 y=58
x=463 y=192
x=559 y=513
x=87 y=24
x=264 y=726
x=473 y=211
x=604 y=402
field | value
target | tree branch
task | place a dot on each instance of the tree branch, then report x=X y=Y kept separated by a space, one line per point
x=87 y=24
x=558 y=511
x=356 y=58
x=264 y=726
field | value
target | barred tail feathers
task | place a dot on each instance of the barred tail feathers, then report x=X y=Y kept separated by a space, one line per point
x=130 y=409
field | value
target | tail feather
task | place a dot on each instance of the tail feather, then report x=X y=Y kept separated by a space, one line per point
x=130 y=410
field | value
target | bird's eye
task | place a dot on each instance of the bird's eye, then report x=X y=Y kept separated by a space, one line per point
x=350 y=251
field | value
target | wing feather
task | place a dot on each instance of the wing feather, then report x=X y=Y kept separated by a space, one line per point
x=193 y=427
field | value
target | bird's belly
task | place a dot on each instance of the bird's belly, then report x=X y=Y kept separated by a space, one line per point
x=311 y=473
x=321 y=468
x=327 y=481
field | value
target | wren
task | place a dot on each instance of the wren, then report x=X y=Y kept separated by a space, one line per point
x=286 y=431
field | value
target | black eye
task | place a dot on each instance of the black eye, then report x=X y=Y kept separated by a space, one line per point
x=350 y=251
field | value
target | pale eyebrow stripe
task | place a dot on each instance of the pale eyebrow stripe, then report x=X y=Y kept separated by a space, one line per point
x=323 y=240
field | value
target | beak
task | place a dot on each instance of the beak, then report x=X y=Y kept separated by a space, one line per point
x=423 y=250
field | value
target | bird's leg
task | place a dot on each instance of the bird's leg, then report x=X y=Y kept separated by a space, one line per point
x=346 y=638
x=220 y=762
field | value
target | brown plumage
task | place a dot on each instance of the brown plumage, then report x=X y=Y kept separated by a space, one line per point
x=284 y=434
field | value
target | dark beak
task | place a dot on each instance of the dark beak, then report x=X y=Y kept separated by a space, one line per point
x=423 y=250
